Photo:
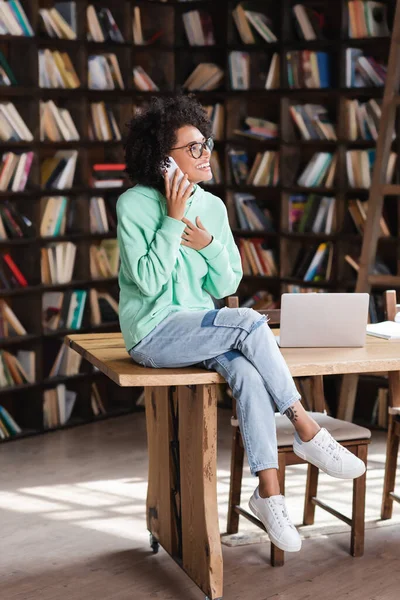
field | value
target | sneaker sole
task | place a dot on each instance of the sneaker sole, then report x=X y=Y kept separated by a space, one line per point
x=351 y=475
x=278 y=544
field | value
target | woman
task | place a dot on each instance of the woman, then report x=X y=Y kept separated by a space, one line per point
x=177 y=252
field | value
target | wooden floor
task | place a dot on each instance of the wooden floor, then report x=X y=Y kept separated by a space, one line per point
x=72 y=527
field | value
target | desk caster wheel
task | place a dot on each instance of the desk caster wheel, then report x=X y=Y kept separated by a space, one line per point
x=154 y=543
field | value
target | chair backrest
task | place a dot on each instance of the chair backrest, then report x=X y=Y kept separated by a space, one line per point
x=391 y=306
x=274 y=314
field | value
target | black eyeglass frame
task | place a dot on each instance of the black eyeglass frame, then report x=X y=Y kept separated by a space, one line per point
x=208 y=143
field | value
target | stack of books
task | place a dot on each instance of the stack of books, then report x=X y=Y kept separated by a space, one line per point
x=58 y=171
x=320 y=171
x=10 y=325
x=63 y=310
x=313 y=122
x=56 y=70
x=8 y=426
x=205 y=77
x=143 y=81
x=58 y=405
x=216 y=114
x=102 y=26
x=56 y=123
x=362 y=119
x=308 y=69
x=12 y=126
x=60 y=21
x=108 y=175
x=104 y=72
x=367 y=19
x=54 y=216
x=358 y=212
x=260 y=28
x=363 y=71
x=261 y=300
x=314 y=263
x=257 y=259
x=265 y=169
x=67 y=363
x=311 y=214
x=258 y=129
x=104 y=259
x=13 y=20
x=360 y=164
x=308 y=22
x=14 y=171
x=103 y=125
x=17 y=369
x=57 y=262
x=104 y=308
x=250 y=215
x=10 y=275
x=198 y=28
x=13 y=223
x=7 y=77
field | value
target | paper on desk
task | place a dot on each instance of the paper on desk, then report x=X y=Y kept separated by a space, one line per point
x=389 y=330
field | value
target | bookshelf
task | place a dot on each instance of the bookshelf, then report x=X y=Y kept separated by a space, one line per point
x=169 y=60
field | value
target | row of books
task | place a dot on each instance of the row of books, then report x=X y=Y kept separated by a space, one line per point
x=17 y=369
x=263 y=172
x=103 y=125
x=65 y=309
x=102 y=26
x=14 y=171
x=363 y=71
x=250 y=215
x=10 y=325
x=67 y=362
x=314 y=263
x=58 y=171
x=59 y=21
x=257 y=258
x=312 y=121
x=258 y=129
x=239 y=71
x=308 y=69
x=216 y=115
x=56 y=70
x=8 y=426
x=58 y=404
x=367 y=19
x=104 y=72
x=56 y=123
x=359 y=165
x=362 y=119
x=102 y=215
x=358 y=212
x=13 y=19
x=12 y=126
x=252 y=25
x=260 y=300
x=104 y=259
x=311 y=214
x=108 y=175
x=14 y=224
x=320 y=171
x=198 y=28
x=57 y=262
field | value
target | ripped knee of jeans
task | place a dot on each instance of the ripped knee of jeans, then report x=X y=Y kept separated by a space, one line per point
x=263 y=319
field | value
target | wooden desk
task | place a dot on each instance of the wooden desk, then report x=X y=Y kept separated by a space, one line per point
x=181 y=419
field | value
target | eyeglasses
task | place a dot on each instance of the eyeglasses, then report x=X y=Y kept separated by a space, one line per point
x=196 y=149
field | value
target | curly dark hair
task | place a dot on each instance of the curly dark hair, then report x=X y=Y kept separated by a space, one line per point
x=152 y=134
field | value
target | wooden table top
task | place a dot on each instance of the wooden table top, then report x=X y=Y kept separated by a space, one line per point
x=107 y=352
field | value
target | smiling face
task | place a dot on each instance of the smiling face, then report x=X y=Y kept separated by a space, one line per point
x=197 y=169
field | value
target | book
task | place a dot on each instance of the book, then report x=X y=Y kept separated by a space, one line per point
x=367 y=19
x=206 y=76
x=198 y=28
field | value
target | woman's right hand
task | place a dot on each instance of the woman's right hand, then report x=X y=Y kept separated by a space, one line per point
x=176 y=196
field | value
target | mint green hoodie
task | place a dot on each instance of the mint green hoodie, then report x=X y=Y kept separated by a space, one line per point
x=158 y=275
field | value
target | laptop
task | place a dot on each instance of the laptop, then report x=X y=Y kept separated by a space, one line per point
x=319 y=320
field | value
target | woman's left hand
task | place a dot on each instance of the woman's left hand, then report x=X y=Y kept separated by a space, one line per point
x=196 y=235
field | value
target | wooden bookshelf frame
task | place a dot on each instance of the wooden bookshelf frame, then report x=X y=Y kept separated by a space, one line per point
x=172 y=54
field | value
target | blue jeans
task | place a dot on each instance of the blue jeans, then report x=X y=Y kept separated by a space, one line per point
x=238 y=344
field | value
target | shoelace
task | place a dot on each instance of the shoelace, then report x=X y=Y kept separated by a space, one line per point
x=281 y=515
x=333 y=447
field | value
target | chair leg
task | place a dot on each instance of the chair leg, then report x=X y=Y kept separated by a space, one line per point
x=278 y=555
x=358 y=516
x=311 y=492
x=392 y=449
x=237 y=458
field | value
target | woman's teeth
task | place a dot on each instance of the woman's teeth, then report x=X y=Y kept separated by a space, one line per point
x=204 y=166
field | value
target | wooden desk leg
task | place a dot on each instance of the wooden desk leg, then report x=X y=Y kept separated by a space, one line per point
x=347 y=398
x=201 y=544
x=394 y=388
x=161 y=521
x=358 y=515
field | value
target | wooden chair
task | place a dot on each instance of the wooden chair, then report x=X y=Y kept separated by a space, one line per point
x=353 y=437
x=393 y=438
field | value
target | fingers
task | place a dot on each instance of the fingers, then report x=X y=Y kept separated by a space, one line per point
x=189 y=224
x=182 y=184
x=174 y=185
x=188 y=192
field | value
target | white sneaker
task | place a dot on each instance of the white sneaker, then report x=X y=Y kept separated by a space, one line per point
x=273 y=515
x=327 y=454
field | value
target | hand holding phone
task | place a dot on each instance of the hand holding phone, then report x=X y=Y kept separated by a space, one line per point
x=177 y=190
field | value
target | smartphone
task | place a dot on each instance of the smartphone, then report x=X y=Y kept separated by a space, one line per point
x=171 y=171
